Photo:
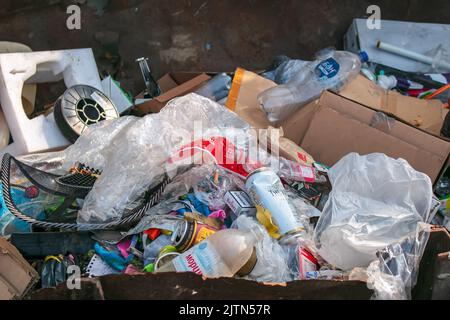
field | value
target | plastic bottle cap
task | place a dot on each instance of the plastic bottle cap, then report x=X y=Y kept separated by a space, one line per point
x=363 y=56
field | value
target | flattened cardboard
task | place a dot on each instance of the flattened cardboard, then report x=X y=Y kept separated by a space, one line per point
x=172 y=86
x=334 y=126
x=16 y=275
x=428 y=115
x=242 y=98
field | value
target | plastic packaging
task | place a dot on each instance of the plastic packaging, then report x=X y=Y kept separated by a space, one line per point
x=442 y=188
x=54 y=270
x=286 y=70
x=131 y=151
x=224 y=254
x=394 y=273
x=331 y=70
x=387 y=82
x=376 y=201
x=382 y=121
x=183 y=184
x=217 y=88
x=271 y=265
x=29 y=200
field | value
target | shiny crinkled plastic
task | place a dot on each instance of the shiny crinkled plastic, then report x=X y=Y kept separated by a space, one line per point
x=376 y=201
x=131 y=152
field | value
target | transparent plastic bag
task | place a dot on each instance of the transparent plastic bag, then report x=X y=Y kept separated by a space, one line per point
x=131 y=151
x=376 y=201
x=271 y=265
x=383 y=122
x=183 y=184
x=394 y=273
x=217 y=88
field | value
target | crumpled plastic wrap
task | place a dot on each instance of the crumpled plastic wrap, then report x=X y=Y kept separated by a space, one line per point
x=131 y=151
x=376 y=201
x=134 y=154
x=394 y=273
x=182 y=184
x=271 y=265
x=383 y=122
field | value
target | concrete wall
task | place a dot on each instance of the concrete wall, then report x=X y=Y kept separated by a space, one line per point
x=197 y=34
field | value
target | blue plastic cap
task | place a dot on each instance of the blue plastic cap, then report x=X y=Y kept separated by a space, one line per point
x=363 y=56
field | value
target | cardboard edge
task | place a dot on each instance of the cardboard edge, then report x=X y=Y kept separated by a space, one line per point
x=391 y=115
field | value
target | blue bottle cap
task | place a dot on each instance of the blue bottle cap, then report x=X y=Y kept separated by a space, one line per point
x=363 y=56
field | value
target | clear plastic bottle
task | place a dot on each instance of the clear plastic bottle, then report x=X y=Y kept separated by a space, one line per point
x=217 y=88
x=331 y=70
x=224 y=254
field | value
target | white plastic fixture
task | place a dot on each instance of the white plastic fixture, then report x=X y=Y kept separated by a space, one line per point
x=40 y=133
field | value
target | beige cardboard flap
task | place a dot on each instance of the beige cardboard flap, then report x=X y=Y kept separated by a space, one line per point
x=428 y=115
x=400 y=130
x=16 y=274
x=332 y=135
x=242 y=98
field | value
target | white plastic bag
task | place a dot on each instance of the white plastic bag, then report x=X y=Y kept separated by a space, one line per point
x=376 y=201
x=131 y=152
x=394 y=273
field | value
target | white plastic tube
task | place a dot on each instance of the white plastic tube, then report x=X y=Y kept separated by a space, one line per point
x=412 y=55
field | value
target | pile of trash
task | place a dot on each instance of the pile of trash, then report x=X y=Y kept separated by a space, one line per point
x=222 y=176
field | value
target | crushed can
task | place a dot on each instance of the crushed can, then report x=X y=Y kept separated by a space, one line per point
x=273 y=210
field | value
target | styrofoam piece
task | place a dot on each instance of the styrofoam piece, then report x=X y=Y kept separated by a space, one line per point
x=4 y=131
x=28 y=92
x=41 y=133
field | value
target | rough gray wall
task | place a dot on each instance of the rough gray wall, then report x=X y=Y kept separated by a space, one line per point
x=197 y=34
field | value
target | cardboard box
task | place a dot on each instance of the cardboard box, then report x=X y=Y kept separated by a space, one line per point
x=428 y=115
x=17 y=277
x=333 y=126
x=242 y=98
x=418 y=37
x=172 y=85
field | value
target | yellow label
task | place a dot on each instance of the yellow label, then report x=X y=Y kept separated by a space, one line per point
x=265 y=218
x=203 y=233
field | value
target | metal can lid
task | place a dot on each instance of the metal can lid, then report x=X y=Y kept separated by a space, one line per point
x=262 y=169
x=165 y=258
x=185 y=235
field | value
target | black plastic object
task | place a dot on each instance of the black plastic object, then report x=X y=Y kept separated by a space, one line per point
x=81 y=176
x=47 y=182
x=445 y=131
x=152 y=88
x=79 y=107
x=54 y=271
x=40 y=244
